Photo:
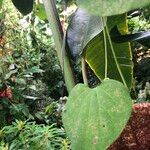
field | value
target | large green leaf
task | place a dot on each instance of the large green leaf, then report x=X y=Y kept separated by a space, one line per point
x=95 y=54
x=94 y=118
x=82 y=28
x=111 y=7
x=24 y=6
x=85 y=29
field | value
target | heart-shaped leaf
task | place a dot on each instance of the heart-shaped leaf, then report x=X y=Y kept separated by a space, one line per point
x=24 y=6
x=94 y=118
x=111 y=7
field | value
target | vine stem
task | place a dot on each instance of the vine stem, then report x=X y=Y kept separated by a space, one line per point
x=105 y=47
x=115 y=58
x=85 y=80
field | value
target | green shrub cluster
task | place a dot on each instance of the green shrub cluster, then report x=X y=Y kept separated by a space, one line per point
x=30 y=136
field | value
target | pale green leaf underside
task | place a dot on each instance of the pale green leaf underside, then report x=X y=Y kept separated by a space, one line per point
x=94 y=118
x=111 y=7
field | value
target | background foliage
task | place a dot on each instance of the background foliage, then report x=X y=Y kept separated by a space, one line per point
x=31 y=81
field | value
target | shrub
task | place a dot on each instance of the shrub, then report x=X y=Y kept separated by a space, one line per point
x=31 y=136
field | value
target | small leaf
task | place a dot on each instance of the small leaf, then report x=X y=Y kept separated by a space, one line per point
x=8 y=75
x=40 y=11
x=24 y=6
x=34 y=70
x=30 y=97
x=21 y=81
x=25 y=111
x=94 y=118
x=39 y=115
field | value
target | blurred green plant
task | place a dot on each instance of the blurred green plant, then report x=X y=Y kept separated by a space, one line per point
x=28 y=66
x=139 y=20
x=31 y=136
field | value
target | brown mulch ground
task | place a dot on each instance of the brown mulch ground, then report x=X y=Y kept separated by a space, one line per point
x=136 y=135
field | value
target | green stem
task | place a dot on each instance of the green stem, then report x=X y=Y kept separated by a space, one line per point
x=115 y=58
x=85 y=80
x=56 y=28
x=105 y=47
